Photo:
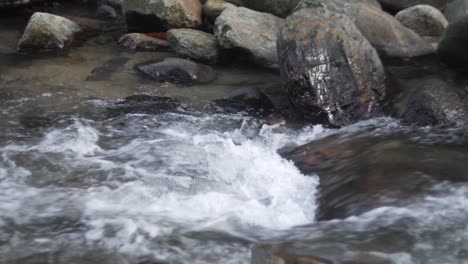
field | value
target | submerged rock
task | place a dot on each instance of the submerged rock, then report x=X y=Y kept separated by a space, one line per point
x=178 y=71
x=332 y=73
x=48 y=32
x=161 y=15
x=142 y=42
x=145 y=104
x=249 y=31
x=423 y=19
x=436 y=103
x=454 y=42
x=194 y=44
x=106 y=12
x=249 y=100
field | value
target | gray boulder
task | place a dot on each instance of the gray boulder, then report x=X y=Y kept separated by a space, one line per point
x=176 y=70
x=425 y=20
x=161 y=15
x=213 y=8
x=454 y=42
x=48 y=32
x=194 y=44
x=332 y=73
x=334 y=5
x=247 y=30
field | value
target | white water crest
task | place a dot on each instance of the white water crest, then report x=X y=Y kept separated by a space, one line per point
x=157 y=176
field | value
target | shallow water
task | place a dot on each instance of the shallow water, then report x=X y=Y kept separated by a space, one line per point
x=81 y=184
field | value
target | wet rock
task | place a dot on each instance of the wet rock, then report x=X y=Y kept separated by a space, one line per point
x=48 y=32
x=161 y=15
x=194 y=44
x=452 y=46
x=387 y=34
x=423 y=19
x=142 y=42
x=145 y=104
x=436 y=103
x=274 y=254
x=114 y=3
x=250 y=31
x=106 y=12
x=178 y=71
x=280 y=8
x=105 y=72
x=213 y=8
x=15 y=3
x=249 y=100
x=338 y=6
x=397 y=5
x=359 y=172
x=332 y=73
x=455 y=10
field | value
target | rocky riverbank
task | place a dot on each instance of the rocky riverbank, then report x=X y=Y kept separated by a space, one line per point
x=295 y=62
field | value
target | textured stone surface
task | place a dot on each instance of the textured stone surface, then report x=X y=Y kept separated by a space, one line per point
x=424 y=20
x=332 y=73
x=142 y=42
x=213 y=8
x=47 y=32
x=397 y=5
x=194 y=44
x=280 y=8
x=250 y=31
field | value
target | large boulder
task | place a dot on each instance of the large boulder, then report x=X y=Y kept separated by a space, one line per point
x=382 y=30
x=161 y=15
x=332 y=73
x=280 y=8
x=425 y=20
x=178 y=71
x=252 y=32
x=454 y=42
x=48 y=32
x=194 y=44
x=455 y=10
x=397 y=5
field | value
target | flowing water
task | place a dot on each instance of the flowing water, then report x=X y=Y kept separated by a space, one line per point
x=81 y=182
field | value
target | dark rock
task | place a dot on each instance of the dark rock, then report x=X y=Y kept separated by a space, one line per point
x=194 y=44
x=454 y=42
x=332 y=73
x=105 y=72
x=397 y=5
x=142 y=42
x=280 y=8
x=161 y=15
x=274 y=254
x=251 y=101
x=178 y=71
x=359 y=172
x=106 y=12
x=213 y=8
x=455 y=10
x=48 y=32
x=145 y=104
x=436 y=103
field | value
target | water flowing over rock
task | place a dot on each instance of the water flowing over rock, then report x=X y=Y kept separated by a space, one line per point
x=47 y=32
x=332 y=73
x=397 y=5
x=249 y=31
x=161 y=15
x=194 y=44
x=178 y=71
x=423 y=19
x=453 y=45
